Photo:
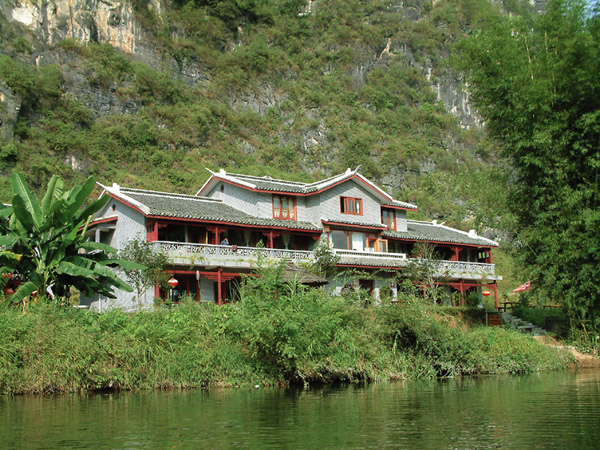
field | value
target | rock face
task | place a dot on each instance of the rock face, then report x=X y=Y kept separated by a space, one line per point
x=114 y=21
x=10 y=105
x=85 y=20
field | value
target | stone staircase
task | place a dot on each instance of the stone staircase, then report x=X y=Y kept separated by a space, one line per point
x=521 y=325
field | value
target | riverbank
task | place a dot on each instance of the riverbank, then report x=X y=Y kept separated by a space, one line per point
x=300 y=337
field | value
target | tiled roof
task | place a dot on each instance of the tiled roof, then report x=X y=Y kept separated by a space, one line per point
x=295 y=187
x=272 y=184
x=353 y=224
x=431 y=231
x=366 y=261
x=182 y=206
x=399 y=204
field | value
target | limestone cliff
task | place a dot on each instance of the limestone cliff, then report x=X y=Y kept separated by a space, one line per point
x=86 y=20
x=324 y=88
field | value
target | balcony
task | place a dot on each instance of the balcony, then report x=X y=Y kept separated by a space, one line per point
x=466 y=270
x=230 y=256
x=443 y=269
x=370 y=258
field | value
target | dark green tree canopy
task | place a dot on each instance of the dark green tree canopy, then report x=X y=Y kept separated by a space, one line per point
x=536 y=82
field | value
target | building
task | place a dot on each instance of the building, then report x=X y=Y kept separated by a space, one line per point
x=367 y=229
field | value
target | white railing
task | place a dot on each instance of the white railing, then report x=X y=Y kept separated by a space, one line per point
x=369 y=254
x=219 y=253
x=457 y=268
x=211 y=250
x=465 y=267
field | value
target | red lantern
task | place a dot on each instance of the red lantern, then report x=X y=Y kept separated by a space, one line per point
x=173 y=283
x=486 y=293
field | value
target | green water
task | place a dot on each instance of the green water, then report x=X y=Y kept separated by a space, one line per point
x=555 y=410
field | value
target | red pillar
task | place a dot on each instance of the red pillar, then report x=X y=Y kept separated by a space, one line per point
x=216 y=242
x=456 y=251
x=198 y=298
x=495 y=289
x=219 y=281
x=156 y=291
x=270 y=239
x=152 y=231
x=462 y=293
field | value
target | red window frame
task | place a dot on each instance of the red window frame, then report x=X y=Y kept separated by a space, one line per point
x=388 y=218
x=289 y=212
x=351 y=205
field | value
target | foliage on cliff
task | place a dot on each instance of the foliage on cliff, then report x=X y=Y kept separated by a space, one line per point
x=263 y=88
x=537 y=85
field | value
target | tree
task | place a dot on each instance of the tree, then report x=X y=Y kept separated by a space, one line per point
x=537 y=85
x=45 y=245
x=325 y=260
x=153 y=263
x=423 y=268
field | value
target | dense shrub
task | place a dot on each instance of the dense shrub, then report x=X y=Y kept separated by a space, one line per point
x=278 y=333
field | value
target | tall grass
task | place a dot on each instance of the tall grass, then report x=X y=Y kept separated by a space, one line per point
x=278 y=333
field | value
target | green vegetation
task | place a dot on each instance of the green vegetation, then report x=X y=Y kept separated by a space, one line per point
x=45 y=247
x=551 y=319
x=150 y=271
x=275 y=92
x=536 y=81
x=278 y=333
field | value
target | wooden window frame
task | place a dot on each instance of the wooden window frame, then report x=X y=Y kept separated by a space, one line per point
x=348 y=205
x=380 y=244
x=292 y=207
x=391 y=214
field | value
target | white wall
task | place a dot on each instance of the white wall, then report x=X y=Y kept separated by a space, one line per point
x=131 y=225
x=330 y=203
x=401 y=224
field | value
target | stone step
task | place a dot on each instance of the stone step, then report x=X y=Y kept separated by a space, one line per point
x=519 y=324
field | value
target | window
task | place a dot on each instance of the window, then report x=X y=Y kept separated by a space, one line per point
x=381 y=246
x=350 y=205
x=388 y=218
x=284 y=207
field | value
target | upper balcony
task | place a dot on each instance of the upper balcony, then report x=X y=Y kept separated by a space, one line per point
x=238 y=257
x=442 y=269
x=230 y=256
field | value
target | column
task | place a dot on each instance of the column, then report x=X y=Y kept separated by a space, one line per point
x=495 y=289
x=219 y=286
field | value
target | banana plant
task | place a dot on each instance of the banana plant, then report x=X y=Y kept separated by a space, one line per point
x=44 y=242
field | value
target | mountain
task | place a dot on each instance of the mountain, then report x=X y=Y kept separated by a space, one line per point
x=147 y=93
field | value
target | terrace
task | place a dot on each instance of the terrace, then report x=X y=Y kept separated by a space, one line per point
x=241 y=257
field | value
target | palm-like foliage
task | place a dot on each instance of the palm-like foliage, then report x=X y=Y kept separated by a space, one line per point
x=44 y=242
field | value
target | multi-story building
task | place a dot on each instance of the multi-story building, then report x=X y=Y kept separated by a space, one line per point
x=214 y=237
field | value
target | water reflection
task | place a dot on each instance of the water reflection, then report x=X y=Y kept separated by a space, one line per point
x=556 y=410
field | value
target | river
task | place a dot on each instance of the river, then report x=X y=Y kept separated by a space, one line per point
x=549 y=411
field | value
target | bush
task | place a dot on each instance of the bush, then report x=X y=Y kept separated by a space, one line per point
x=279 y=332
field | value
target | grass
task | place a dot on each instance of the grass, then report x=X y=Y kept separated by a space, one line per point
x=277 y=334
